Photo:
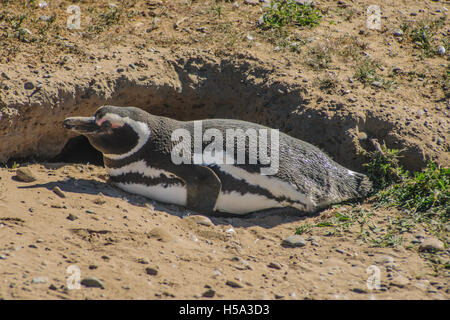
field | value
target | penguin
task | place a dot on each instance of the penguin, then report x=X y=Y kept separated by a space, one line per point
x=162 y=159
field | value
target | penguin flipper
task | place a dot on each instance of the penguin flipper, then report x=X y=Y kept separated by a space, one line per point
x=203 y=187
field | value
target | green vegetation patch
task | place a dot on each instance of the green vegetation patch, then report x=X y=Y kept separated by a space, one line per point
x=282 y=13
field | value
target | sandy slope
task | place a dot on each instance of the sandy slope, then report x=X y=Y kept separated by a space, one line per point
x=117 y=236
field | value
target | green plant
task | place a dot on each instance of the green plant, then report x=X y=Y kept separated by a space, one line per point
x=423 y=196
x=367 y=73
x=383 y=167
x=307 y=227
x=426 y=192
x=286 y=12
x=218 y=11
x=112 y=16
x=423 y=35
x=319 y=56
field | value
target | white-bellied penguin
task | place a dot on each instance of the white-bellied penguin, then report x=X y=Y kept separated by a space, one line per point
x=138 y=148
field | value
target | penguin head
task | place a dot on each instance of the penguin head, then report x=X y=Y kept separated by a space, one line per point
x=115 y=131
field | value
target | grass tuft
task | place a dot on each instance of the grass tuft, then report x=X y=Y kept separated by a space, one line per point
x=287 y=12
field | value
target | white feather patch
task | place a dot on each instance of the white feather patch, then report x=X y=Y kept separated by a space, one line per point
x=175 y=194
x=140 y=167
x=234 y=202
x=275 y=186
x=140 y=128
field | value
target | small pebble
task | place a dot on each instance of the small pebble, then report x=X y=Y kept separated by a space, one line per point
x=358 y=290
x=28 y=85
x=208 y=293
x=431 y=244
x=24 y=175
x=151 y=271
x=233 y=284
x=143 y=260
x=274 y=265
x=45 y=18
x=38 y=280
x=59 y=192
x=294 y=241
x=398 y=32
x=72 y=217
x=377 y=84
x=92 y=282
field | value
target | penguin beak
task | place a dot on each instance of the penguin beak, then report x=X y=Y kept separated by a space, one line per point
x=83 y=125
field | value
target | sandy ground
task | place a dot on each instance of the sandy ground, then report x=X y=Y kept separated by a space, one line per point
x=192 y=59
x=140 y=250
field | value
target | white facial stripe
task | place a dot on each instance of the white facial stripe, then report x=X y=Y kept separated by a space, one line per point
x=275 y=186
x=175 y=194
x=140 y=167
x=140 y=128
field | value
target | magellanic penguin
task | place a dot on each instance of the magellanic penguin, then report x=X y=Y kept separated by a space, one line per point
x=142 y=155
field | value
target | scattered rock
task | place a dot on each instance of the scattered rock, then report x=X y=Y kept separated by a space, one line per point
x=28 y=85
x=441 y=50
x=233 y=284
x=72 y=217
x=24 y=175
x=278 y=296
x=377 y=84
x=143 y=260
x=208 y=293
x=39 y=280
x=398 y=32
x=92 y=282
x=358 y=290
x=2 y=257
x=431 y=244
x=293 y=241
x=151 y=271
x=45 y=18
x=274 y=265
x=252 y=2
x=59 y=192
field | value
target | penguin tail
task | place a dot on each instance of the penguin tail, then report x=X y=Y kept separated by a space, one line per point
x=363 y=185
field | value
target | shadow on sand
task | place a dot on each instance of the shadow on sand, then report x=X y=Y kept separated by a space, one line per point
x=266 y=218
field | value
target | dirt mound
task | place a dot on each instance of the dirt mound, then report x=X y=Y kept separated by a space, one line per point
x=337 y=84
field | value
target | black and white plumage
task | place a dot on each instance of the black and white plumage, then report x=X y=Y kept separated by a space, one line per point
x=137 y=148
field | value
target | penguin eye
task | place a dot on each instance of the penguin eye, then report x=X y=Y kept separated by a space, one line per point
x=106 y=124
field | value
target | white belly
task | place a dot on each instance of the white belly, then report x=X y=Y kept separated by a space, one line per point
x=175 y=194
x=237 y=203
